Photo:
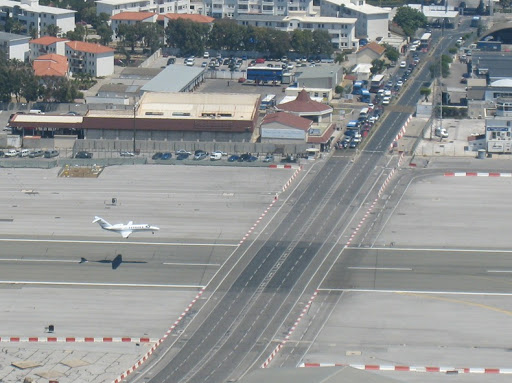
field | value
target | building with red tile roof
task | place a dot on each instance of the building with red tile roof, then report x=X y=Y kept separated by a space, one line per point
x=95 y=59
x=130 y=18
x=51 y=65
x=304 y=106
x=371 y=51
x=47 y=45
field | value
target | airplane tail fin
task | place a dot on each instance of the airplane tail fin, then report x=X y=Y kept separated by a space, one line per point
x=101 y=222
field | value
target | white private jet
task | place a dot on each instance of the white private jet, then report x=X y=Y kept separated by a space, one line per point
x=124 y=230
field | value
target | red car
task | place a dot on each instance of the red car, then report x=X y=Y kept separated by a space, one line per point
x=242 y=79
x=260 y=61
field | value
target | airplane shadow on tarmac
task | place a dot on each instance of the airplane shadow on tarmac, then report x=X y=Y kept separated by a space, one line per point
x=116 y=262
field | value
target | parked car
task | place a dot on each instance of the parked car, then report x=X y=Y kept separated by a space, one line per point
x=157 y=156
x=268 y=158
x=233 y=158
x=403 y=64
x=182 y=156
x=83 y=155
x=182 y=151
x=127 y=154
x=166 y=156
x=200 y=155
x=11 y=153
x=51 y=153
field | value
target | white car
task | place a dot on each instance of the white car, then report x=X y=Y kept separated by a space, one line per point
x=403 y=64
x=399 y=83
x=371 y=106
x=206 y=55
x=127 y=154
x=387 y=93
x=386 y=100
x=11 y=153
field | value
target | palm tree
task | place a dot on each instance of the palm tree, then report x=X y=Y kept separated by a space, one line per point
x=52 y=30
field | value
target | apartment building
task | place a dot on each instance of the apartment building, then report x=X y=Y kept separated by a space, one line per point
x=95 y=59
x=342 y=31
x=14 y=46
x=47 y=45
x=130 y=18
x=33 y=16
x=113 y=7
x=372 y=22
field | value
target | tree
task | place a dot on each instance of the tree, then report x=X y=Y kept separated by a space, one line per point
x=52 y=30
x=129 y=34
x=187 y=35
x=340 y=57
x=78 y=34
x=425 y=92
x=105 y=33
x=441 y=67
x=302 y=41
x=377 y=66
x=391 y=53
x=322 y=42
x=226 y=34
x=409 y=19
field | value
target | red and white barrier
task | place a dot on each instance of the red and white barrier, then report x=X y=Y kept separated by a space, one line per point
x=476 y=174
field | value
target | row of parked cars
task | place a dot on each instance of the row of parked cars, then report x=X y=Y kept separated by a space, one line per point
x=10 y=153
x=214 y=156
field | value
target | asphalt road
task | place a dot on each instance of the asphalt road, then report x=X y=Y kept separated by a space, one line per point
x=232 y=332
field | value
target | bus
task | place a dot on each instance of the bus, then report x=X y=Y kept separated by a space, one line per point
x=261 y=75
x=377 y=83
x=363 y=114
x=425 y=41
x=268 y=101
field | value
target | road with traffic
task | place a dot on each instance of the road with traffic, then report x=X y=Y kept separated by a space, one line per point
x=264 y=283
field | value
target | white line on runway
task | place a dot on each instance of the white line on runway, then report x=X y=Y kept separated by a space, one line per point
x=118 y=242
x=499 y=271
x=419 y=292
x=380 y=268
x=193 y=264
x=431 y=249
x=38 y=260
x=99 y=284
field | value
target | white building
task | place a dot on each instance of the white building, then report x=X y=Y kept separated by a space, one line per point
x=112 y=7
x=14 y=46
x=47 y=45
x=342 y=31
x=130 y=18
x=38 y=17
x=498 y=128
x=372 y=22
x=94 y=59
x=234 y=8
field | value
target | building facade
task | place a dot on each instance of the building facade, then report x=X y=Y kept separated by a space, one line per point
x=35 y=17
x=94 y=59
x=47 y=45
x=14 y=46
x=498 y=128
x=371 y=22
x=342 y=31
x=113 y=7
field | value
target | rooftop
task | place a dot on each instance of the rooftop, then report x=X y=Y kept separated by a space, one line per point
x=498 y=63
x=191 y=17
x=47 y=40
x=287 y=119
x=50 y=65
x=305 y=19
x=434 y=10
x=373 y=46
x=304 y=104
x=134 y=16
x=88 y=47
x=365 y=8
x=36 y=8
x=5 y=36
x=174 y=78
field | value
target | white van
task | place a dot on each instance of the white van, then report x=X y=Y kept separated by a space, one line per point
x=215 y=156
x=441 y=132
x=24 y=153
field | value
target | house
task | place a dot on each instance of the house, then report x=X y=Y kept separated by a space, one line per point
x=36 y=18
x=47 y=45
x=51 y=65
x=372 y=22
x=283 y=127
x=14 y=46
x=94 y=59
x=112 y=7
x=304 y=106
x=130 y=18
x=368 y=53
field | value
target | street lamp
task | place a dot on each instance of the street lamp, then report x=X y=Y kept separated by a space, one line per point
x=135 y=107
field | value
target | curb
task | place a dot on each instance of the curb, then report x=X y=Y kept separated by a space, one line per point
x=50 y=339
x=400 y=133
x=376 y=367
x=146 y=356
x=275 y=166
x=476 y=174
